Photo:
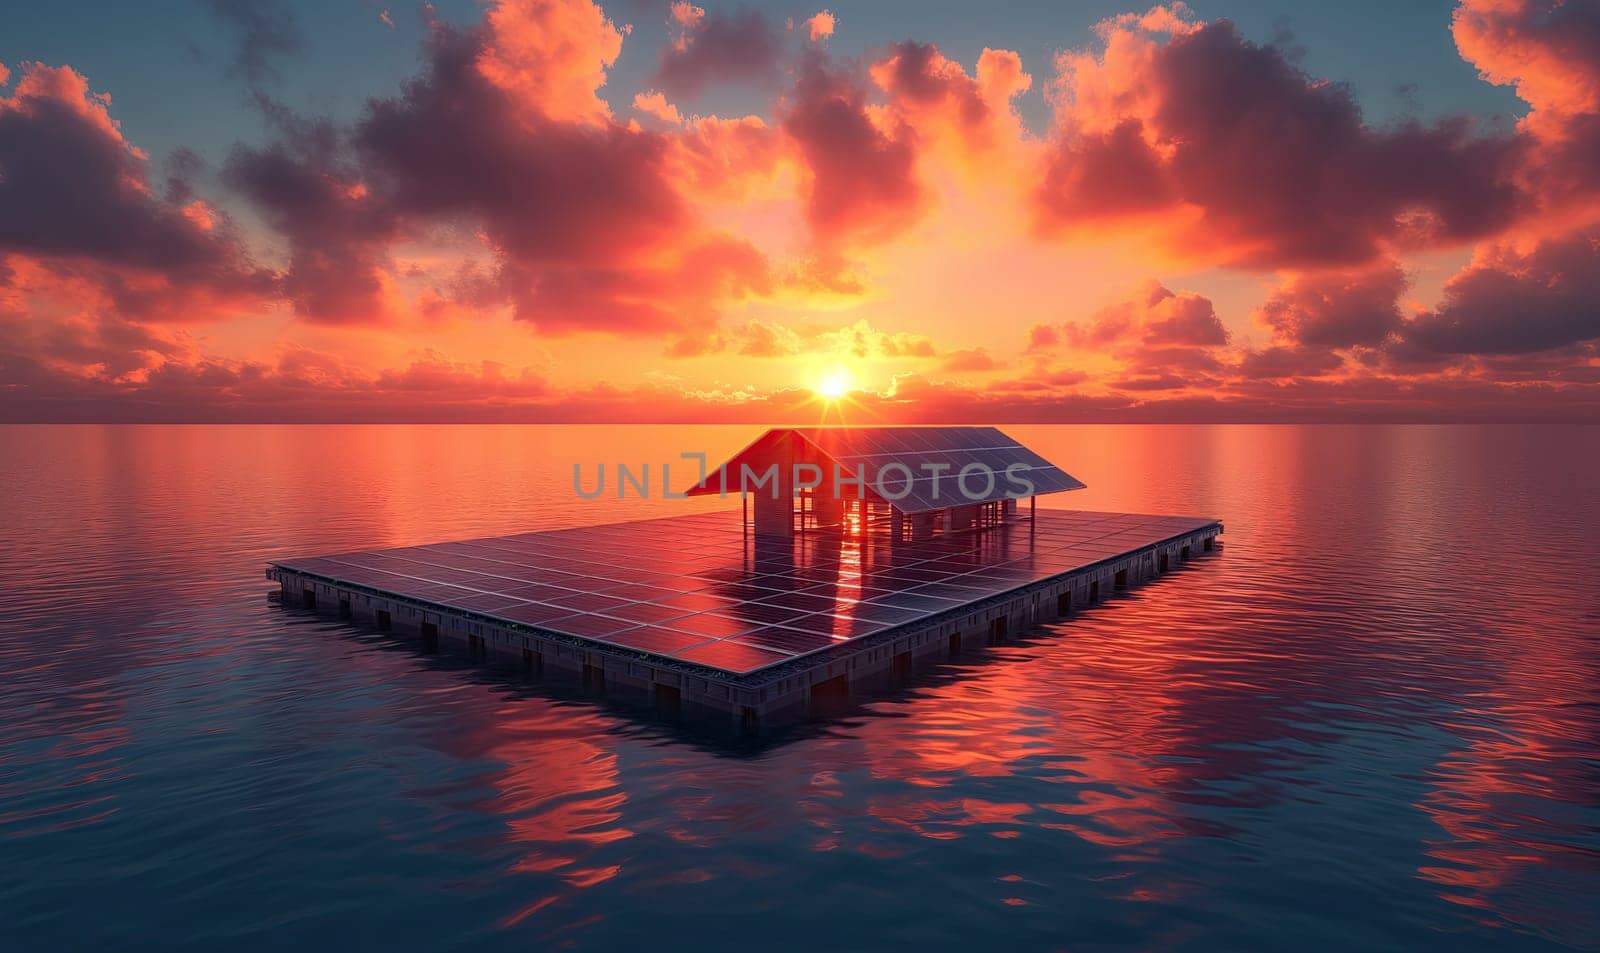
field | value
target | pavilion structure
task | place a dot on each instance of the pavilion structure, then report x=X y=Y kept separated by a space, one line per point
x=910 y=483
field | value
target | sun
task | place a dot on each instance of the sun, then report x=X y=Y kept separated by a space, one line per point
x=834 y=384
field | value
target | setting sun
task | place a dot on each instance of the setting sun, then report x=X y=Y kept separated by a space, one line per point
x=834 y=384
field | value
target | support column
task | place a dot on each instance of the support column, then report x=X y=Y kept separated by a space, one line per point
x=775 y=517
x=826 y=507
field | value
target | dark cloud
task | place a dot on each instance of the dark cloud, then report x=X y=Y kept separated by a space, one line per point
x=548 y=189
x=738 y=45
x=1280 y=170
x=582 y=214
x=1111 y=175
x=1288 y=362
x=183 y=166
x=1336 y=310
x=265 y=31
x=307 y=188
x=1516 y=302
x=590 y=229
x=74 y=192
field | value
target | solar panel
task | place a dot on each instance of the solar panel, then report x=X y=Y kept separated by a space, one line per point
x=727 y=612
x=916 y=469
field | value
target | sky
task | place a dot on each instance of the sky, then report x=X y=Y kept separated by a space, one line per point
x=553 y=210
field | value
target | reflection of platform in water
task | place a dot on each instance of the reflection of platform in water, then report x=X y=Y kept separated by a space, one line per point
x=694 y=611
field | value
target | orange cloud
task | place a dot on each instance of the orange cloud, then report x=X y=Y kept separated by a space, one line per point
x=820 y=26
x=859 y=340
x=654 y=103
x=936 y=97
x=1548 y=49
x=550 y=55
x=968 y=359
x=723 y=160
x=686 y=15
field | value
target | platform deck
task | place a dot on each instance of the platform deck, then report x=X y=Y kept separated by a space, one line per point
x=696 y=593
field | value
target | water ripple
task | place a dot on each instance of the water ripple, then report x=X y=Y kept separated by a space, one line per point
x=1371 y=723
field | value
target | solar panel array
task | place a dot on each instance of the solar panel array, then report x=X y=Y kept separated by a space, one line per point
x=692 y=588
x=918 y=469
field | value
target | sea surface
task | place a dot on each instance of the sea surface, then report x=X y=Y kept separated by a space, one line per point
x=1372 y=722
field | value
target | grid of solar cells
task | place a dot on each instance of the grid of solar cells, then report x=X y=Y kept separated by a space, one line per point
x=693 y=588
x=914 y=448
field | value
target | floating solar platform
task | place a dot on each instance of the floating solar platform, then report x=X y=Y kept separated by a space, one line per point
x=696 y=611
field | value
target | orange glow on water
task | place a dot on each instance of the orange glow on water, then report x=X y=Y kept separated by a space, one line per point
x=1351 y=681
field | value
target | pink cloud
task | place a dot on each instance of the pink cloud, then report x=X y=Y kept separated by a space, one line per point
x=1160 y=339
x=968 y=360
x=862 y=184
x=919 y=75
x=953 y=117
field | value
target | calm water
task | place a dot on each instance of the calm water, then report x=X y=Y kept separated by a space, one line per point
x=1372 y=723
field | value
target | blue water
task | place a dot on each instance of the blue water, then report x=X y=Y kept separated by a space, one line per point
x=1372 y=722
